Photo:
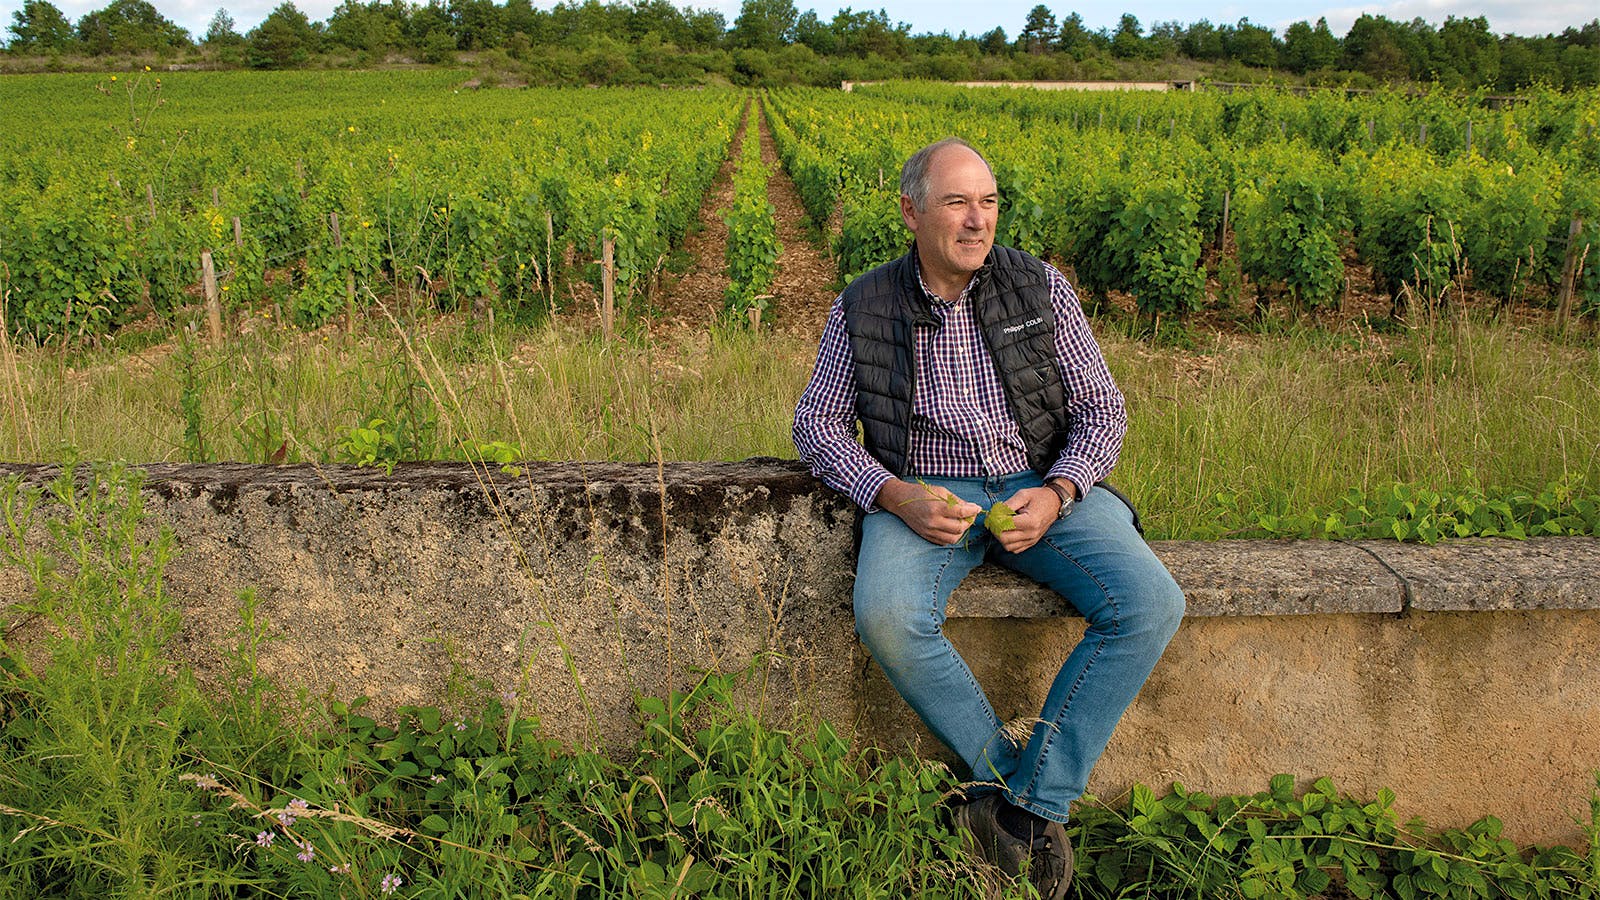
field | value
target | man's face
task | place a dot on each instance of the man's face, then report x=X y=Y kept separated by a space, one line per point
x=955 y=229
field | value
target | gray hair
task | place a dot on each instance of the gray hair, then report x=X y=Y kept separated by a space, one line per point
x=914 y=174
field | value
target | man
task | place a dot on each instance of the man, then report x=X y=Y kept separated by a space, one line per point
x=974 y=378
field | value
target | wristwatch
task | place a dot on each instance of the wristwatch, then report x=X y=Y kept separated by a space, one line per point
x=1066 y=499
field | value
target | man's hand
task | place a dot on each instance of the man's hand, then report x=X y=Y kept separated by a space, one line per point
x=929 y=510
x=1036 y=510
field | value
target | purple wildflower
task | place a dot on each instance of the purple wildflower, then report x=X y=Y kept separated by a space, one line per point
x=286 y=816
x=391 y=882
x=340 y=870
x=461 y=726
x=264 y=838
x=307 y=852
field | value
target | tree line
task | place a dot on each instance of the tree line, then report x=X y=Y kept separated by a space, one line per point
x=771 y=42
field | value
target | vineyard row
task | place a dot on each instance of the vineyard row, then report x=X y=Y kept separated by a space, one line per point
x=399 y=184
x=320 y=190
x=1283 y=184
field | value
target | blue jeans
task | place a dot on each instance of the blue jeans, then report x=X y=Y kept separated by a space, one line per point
x=1096 y=560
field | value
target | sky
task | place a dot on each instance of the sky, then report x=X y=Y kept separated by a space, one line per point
x=955 y=16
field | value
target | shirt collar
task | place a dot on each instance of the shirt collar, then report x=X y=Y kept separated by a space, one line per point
x=938 y=301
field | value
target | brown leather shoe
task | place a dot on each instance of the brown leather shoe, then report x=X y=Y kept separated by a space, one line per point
x=1047 y=859
x=1050 y=866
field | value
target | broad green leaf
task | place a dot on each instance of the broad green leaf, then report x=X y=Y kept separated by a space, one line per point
x=1000 y=518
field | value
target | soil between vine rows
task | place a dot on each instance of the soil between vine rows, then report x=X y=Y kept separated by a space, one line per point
x=804 y=287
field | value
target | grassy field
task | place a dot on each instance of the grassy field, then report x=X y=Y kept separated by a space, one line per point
x=1235 y=426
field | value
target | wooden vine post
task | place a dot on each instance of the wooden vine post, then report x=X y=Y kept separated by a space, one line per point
x=1222 y=234
x=608 y=286
x=549 y=270
x=349 y=278
x=208 y=281
x=1569 y=272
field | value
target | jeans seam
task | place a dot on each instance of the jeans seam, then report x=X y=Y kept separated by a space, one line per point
x=1066 y=703
x=939 y=620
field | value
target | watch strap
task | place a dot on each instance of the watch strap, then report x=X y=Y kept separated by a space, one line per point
x=1066 y=498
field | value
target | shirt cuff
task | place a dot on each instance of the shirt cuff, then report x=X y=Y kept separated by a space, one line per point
x=1076 y=471
x=865 y=491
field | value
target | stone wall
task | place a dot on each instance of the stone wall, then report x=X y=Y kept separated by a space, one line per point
x=1462 y=676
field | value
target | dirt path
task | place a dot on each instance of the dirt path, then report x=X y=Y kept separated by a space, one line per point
x=687 y=305
x=803 y=289
x=693 y=301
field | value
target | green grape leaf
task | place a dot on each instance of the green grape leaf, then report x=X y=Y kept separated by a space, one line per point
x=1000 y=518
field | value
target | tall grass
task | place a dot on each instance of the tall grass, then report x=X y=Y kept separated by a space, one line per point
x=96 y=729
x=1287 y=423
x=1272 y=424
x=555 y=393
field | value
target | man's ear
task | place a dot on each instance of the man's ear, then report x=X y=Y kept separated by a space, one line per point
x=908 y=212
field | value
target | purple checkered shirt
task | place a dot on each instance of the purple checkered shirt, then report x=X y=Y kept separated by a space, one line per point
x=960 y=424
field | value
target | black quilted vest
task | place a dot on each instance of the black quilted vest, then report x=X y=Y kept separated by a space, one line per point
x=1011 y=303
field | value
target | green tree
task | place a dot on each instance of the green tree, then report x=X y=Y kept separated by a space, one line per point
x=1580 y=67
x=1528 y=61
x=573 y=23
x=765 y=24
x=1039 y=33
x=361 y=27
x=1203 y=41
x=1165 y=39
x=521 y=18
x=1420 y=42
x=993 y=42
x=657 y=17
x=1252 y=45
x=815 y=33
x=39 y=27
x=476 y=24
x=865 y=33
x=1127 y=42
x=221 y=31
x=1469 y=51
x=284 y=39
x=1073 y=39
x=427 y=23
x=1306 y=49
x=1374 y=45
x=130 y=26
x=707 y=28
